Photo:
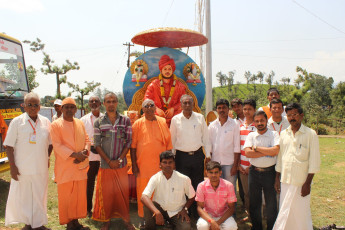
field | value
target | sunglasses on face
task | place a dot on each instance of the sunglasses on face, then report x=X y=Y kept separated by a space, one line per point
x=32 y=105
x=149 y=106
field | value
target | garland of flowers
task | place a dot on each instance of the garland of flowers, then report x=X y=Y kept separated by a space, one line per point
x=166 y=103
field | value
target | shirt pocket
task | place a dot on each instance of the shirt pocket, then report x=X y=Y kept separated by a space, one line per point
x=223 y=197
x=302 y=153
x=120 y=132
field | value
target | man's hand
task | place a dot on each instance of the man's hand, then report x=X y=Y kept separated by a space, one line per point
x=80 y=156
x=246 y=171
x=159 y=218
x=160 y=112
x=14 y=172
x=233 y=170
x=169 y=113
x=208 y=159
x=114 y=164
x=184 y=215
x=277 y=185
x=135 y=169
x=306 y=187
x=214 y=225
x=241 y=169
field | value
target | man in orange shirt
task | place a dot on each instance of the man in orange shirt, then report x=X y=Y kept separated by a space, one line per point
x=71 y=146
x=151 y=136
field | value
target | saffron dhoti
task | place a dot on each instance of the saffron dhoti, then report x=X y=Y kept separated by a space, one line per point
x=112 y=200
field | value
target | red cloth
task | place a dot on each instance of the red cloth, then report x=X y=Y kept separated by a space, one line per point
x=166 y=60
x=153 y=92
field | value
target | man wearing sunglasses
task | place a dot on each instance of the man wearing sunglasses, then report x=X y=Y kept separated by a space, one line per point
x=28 y=147
x=151 y=136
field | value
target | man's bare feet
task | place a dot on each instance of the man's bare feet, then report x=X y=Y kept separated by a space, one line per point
x=105 y=226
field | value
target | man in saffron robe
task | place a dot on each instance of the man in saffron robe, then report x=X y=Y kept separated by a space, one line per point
x=151 y=136
x=71 y=146
x=167 y=90
x=112 y=139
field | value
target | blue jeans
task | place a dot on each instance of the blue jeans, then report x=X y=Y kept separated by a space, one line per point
x=226 y=175
x=258 y=182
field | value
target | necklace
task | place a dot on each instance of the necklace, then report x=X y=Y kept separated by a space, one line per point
x=166 y=102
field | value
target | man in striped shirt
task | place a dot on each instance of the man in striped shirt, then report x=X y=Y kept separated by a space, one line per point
x=112 y=139
x=249 y=108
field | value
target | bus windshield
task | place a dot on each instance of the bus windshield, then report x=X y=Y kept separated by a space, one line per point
x=12 y=69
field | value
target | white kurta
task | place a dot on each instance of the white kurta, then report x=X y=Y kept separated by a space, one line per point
x=27 y=199
x=294 y=210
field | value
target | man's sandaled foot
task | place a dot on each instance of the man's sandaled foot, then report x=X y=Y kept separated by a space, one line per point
x=27 y=227
x=41 y=228
x=105 y=226
x=78 y=226
x=129 y=226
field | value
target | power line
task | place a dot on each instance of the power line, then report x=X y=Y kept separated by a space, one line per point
x=166 y=15
x=324 y=21
x=281 y=40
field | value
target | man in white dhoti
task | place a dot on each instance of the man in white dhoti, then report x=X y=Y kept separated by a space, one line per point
x=28 y=147
x=298 y=161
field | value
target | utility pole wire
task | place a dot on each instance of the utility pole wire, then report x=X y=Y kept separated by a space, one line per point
x=318 y=17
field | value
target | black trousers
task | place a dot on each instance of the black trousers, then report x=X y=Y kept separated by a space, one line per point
x=91 y=177
x=193 y=167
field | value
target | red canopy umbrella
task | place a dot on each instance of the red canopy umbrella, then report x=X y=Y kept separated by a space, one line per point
x=169 y=37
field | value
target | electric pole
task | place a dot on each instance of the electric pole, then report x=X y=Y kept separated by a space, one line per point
x=129 y=51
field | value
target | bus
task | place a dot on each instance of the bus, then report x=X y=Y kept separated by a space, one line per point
x=13 y=87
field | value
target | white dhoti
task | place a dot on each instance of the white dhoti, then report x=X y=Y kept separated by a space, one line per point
x=294 y=212
x=27 y=201
x=228 y=224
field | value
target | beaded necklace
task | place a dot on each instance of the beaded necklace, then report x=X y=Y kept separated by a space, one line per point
x=166 y=102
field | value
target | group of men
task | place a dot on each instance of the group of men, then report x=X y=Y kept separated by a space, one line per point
x=266 y=152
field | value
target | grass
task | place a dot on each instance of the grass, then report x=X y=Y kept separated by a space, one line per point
x=327 y=196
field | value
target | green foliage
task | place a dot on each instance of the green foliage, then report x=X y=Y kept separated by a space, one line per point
x=82 y=92
x=32 y=73
x=50 y=68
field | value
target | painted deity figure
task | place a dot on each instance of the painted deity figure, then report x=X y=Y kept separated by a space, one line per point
x=167 y=90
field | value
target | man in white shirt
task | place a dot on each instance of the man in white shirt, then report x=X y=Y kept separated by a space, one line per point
x=272 y=93
x=94 y=158
x=28 y=148
x=298 y=160
x=189 y=134
x=277 y=122
x=58 y=109
x=224 y=135
x=169 y=189
x=237 y=107
x=262 y=147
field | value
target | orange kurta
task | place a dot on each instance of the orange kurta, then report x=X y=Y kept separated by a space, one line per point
x=68 y=137
x=150 y=138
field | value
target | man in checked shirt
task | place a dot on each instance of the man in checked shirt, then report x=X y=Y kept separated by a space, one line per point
x=112 y=139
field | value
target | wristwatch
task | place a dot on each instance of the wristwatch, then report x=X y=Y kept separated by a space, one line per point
x=186 y=209
x=120 y=160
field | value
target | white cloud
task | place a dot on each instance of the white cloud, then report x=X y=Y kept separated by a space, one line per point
x=22 y=6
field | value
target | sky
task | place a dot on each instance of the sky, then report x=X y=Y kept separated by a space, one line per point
x=247 y=35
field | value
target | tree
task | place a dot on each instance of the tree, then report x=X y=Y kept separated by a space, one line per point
x=221 y=78
x=253 y=80
x=247 y=76
x=230 y=80
x=32 y=73
x=50 y=68
x=269 y=78
x=260 y=77
x=90 y=86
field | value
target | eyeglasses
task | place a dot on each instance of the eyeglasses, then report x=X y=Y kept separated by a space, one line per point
x=94 y=101
x=149 y=106
x=32 y=105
